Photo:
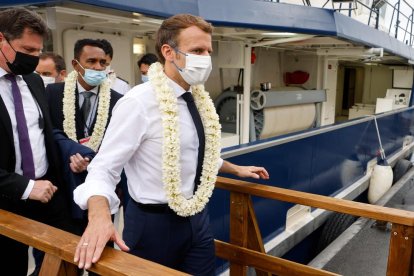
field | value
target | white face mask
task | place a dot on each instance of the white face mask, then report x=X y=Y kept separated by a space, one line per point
x=197 y=68
x=144 y=78
x=48 y=80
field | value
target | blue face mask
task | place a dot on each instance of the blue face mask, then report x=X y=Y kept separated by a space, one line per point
x=93 y=77
x=144 y=78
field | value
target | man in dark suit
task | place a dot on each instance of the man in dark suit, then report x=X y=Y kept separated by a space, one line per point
x=82 y=105
x=30 y=181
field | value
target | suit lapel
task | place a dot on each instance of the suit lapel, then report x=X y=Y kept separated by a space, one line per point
x=5 y=119
x=35 y=89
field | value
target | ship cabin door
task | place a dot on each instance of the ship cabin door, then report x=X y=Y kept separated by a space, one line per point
x=350 y=87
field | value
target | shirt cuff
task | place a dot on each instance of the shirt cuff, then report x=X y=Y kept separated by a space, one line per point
x=83 y=192
x=220 y=163
x=28 y=190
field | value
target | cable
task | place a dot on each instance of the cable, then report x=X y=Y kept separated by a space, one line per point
x=382 y=152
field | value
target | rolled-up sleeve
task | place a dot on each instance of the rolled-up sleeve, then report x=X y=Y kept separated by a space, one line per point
x=220 y=163
x=122 y=139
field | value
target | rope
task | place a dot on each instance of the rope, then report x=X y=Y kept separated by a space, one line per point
x=382 y=152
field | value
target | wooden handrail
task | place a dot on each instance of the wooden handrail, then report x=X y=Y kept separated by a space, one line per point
x=265 y=262
x=401 y=250
x=60 y=245
x=402 y=217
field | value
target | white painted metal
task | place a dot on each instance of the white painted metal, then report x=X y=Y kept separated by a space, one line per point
x=282 y=40
x=245 y=116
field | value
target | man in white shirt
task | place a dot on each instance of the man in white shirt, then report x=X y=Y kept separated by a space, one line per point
x=167 y=136
x=117 y=84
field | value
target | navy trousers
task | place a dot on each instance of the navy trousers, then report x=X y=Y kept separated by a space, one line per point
x=182 y=243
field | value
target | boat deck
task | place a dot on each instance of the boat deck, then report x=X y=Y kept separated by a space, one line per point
x=363 y=248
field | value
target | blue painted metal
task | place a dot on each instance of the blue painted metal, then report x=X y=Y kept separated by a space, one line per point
x=161 y=8
x=411 y=103
x=268 y=16
x=353 y=30
x=13 y=3
x=256 y=14
x=324 y=164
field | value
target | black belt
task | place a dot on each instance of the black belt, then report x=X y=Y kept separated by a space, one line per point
x=154 y=208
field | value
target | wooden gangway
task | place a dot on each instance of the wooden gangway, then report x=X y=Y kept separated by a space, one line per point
x=245 y=248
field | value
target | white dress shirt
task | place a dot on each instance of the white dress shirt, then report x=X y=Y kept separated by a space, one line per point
x=36 y=136
x=120 y=86
x=134 y=140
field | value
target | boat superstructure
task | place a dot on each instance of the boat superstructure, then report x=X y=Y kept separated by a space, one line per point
x=307 y=89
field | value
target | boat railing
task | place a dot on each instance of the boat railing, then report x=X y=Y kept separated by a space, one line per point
x=246 y=247
x=59 y=247
x=401 y=17
x=399 y=24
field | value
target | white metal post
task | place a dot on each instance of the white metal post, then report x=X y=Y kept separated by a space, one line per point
x=245 y=118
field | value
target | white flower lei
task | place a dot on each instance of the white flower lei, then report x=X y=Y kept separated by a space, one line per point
x=69 y=109
x=171 y=144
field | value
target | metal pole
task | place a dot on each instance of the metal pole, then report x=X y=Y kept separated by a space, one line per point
x=377 y=19
x=246 y=96
x=392 y=18
x=397 y=23
x=411 y=30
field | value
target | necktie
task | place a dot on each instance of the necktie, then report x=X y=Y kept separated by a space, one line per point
x=24 y=141
x=86 y=106
x=188 y=97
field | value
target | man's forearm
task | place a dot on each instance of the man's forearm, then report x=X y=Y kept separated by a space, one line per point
x=228 y=167
x=98 y=208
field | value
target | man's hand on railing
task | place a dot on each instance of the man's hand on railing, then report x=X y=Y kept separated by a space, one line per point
x=244 y=171
x=253 y=172
x=99 y=231
x=42 y=191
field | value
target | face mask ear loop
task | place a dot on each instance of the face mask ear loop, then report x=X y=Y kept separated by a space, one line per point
x=9 y=44
x=84 y=71
x=176 y=66
x=79 y=65
x=4 y=55
x=179 y=52
x=2 y=50
x=82 y=68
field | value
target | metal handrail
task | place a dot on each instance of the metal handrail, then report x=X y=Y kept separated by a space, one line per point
x=397 y=9
x=397 y=19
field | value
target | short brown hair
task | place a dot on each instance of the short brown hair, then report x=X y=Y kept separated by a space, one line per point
x=14 y=21
x=171 y=28
x=57 y=59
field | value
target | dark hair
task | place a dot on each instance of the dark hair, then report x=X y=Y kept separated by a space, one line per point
x=86 y=42
x=171 y=28
x=14 y=21
x=57 y=59
x=147 y=59
x=107 y=47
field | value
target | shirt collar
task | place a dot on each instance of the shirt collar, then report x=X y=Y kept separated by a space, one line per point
x=179 y=91
x=4 y=72
x=81 y=89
